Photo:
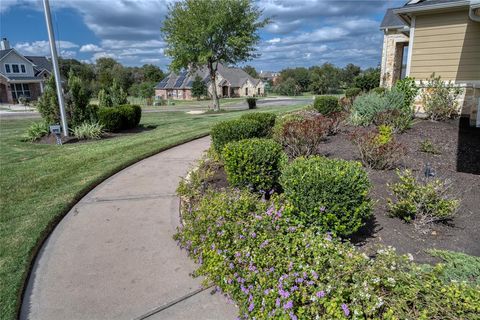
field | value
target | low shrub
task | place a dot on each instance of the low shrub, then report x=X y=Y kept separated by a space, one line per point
x=252 y=103
x=458 y=266
x=352 y=93
x=254 y=163
x=379 y=90
x=87 y=131
x=409 y=89
x=301 y=135
x=439 y=98
x=274 y=269
x=267 y=119
x=427 y=146
x=378 y=148
x=119 y=118
x=331 y=194
x=235 y=130
x=421 y=202
x=399 y=120
x=367 y=106
x=327 y=104
x=36 y=131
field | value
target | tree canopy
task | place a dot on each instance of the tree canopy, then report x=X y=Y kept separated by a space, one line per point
x=206 y=32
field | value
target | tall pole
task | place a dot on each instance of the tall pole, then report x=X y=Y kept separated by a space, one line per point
x=56 y=70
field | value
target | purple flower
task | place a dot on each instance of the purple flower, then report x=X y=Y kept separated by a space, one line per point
x=252 y=268
x=293 y=316
x=251 y=306
x=267 y=291
x=345 y=309
x=292 y=229
x=314 y=275
x=283 y=293
x=253 y=234
x=310 y=283
x=237 y=254
x=270 y=270
x=288 y=305
x=213 y=246
x=320 y=294
x=241 y=236
x=294 y=288
x=277 y=302
x=244 y=290
x=264 y=244
x=322 y=209
x=231 y=266
x=229 y=281
x=299 y=280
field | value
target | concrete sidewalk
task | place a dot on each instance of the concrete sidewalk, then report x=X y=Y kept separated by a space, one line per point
x=113 y=256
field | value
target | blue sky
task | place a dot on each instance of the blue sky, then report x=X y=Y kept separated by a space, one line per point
x=303 y=32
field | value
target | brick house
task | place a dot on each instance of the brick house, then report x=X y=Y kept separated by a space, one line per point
x=21 y=76
x=441 y=36
x=230 y=82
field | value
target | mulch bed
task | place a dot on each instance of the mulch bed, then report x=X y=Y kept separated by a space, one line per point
x=459 y=162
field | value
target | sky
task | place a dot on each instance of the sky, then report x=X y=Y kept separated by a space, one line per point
x=302 y=33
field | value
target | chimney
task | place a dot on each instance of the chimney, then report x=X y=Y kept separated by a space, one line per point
x=4 y=44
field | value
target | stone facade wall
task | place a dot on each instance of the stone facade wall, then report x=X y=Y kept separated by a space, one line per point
x=392 y=58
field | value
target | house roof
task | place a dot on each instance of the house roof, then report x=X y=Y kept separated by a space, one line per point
x=392 y=21
x=424 y=5
x=235 y=77
x=41 y=63
x=3 y=53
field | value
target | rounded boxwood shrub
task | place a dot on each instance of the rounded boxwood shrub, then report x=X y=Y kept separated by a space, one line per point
x=119 y=118
x=327 y=104
x=352 y=92
x=329 y=193
x=254 y=163
x=235 y=130
x=267 y=119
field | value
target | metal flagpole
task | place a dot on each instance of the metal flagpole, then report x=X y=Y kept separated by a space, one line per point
x=56 y=70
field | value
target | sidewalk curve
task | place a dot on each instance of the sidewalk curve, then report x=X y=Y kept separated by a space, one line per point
x=113 y=256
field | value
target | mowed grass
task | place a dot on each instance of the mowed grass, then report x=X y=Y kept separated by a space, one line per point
x=39 y=183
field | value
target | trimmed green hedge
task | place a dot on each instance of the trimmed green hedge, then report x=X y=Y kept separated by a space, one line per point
x=254 y=163
x=119 y=118
x=331 y=194
x=267 y=119
x=327 y=104
x=235 y=130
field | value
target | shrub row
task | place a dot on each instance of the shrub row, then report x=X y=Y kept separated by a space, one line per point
x=274 y=268
x=120 y=118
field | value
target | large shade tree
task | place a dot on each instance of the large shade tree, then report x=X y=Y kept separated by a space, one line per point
x=208 y=32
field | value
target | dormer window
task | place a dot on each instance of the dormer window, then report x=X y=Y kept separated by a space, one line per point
x=15 y=68
x=7 y=68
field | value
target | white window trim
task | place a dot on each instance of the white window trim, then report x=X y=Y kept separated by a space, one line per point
x=410 y=47
x=10 y=65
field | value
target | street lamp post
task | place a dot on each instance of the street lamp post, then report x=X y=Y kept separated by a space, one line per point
x=56 y=69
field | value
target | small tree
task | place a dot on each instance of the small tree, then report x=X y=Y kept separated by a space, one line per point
x=209 y=32
x=199 y=89
x=113 y=96
x=77 y=100
x=48 y=103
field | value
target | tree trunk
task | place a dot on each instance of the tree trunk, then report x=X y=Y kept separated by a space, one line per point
x=213 y=77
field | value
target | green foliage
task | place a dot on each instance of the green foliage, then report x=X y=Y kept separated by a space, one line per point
x=458 y=266
x=427 y=146
x=88 y=131
x=235 y=130
x=257 y=254
x=47 y=104
x=378 y=148
x=399 y=120
x=143 y=90
x=300 y=76
x=424 y=202
x=225 y=31
x=252 y=103
x=439 y=98
x=104 y=100
x=379 y=90
x=112 y=97
x=367 y=106
x=289 y=87
x=368 y=80
x=267 y=119
x=409 y=89
x=251 y=71
x=120 y=118
x=36 y=131
x=254 y=163
x=325 y=79
x=331 y=194
x=77 y=101
x=352 y=92
x=199 y=89
x=327 y=105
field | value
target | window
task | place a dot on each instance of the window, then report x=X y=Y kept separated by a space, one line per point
x=23 y=68
x=7 y=68
x=258 y=91
x=15 y=68
x=20 y=90
x=246 y=91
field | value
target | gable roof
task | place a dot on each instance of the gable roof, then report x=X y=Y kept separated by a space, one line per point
x=235 y=77
x=5 y=53
x=424 y=5
x=392 y=21
x=40 y=63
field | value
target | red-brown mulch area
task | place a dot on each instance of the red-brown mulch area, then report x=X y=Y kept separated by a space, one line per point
x=460 y=151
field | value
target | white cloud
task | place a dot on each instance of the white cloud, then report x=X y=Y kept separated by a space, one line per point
x=90 y=48
x=42 y=48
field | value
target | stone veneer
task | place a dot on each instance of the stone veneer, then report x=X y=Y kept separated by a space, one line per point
x=392 y=57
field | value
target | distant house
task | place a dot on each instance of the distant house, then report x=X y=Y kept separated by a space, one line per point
x=441 y=36
x=269 y=76
x=21 y=76
x=230 y=82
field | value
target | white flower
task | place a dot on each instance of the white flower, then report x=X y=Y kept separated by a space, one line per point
x=410 y=257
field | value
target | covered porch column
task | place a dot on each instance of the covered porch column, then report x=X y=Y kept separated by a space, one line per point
x=394 y=44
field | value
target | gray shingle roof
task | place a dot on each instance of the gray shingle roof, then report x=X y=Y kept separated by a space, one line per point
x=392 y=20
x=3 y=53
x=429 y=2
x=41 y=63
x=236 y=77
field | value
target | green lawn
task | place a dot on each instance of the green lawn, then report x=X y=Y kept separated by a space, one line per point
x=39 y=183
x=185 y=104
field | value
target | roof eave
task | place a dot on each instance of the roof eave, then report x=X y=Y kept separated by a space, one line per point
x=429 y=7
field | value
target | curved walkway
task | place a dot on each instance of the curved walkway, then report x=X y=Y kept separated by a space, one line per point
x=113 y=256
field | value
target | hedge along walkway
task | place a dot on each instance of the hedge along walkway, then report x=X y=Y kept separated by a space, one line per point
x=113 y=256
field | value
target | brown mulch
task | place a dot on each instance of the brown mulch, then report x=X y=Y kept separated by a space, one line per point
x=458 y=162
